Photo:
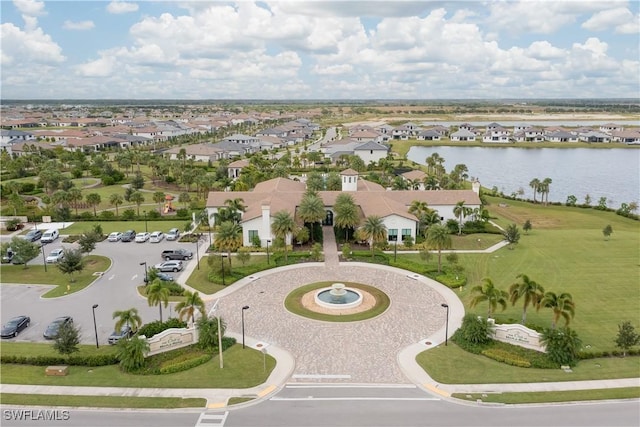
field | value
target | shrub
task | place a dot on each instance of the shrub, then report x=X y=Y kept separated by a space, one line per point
x=562 y=345
x=475 y=330
x=75 y=360
x=107 y=215
x=182 y=213
x=172 y=367
x=153 y=214
x=128 y=214
x=506 y=357
x=154 y=328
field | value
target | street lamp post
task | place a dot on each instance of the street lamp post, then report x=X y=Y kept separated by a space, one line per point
x=95 y=327
x=146 y=277
x=446 y=327
x=395 y=250
x=44 y=259
x=145 y=222
x=222 y=257
x=246 y=307
x=198 y=254
x=268 y=241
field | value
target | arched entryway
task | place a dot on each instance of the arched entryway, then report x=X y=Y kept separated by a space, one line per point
x=328 y=219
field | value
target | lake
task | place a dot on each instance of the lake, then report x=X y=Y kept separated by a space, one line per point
x=613 y=173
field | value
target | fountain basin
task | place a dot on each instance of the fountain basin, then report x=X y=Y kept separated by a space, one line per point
x=338 y=297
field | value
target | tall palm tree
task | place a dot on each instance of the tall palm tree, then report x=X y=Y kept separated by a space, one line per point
x=128 y=317
x=228 y=237
x=187 y=308
x=138 y=198
x=419 y=208
x=311 y=210
x=562 y=306
x=116 y=199
x=545 y=184
x=535 y=183
x=461 y=211
x=75 y=196
x=488 y=292
x=94 y=200
x=159 y=197
x=374 y=230
x=236 y=204
x=158 y=294
x=530 y=291
x=346 y=213
x=282 y=226
x=438 y=238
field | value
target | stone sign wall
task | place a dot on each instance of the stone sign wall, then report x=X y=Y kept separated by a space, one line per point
x=516 y=334
x=171 y=339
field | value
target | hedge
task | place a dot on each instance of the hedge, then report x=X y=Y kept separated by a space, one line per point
x=506 y=357
x=95 y=360
x=170 y=368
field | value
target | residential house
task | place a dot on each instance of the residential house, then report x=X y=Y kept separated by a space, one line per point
x=463 y=135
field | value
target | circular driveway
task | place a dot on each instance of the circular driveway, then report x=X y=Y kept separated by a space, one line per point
x=355 y=352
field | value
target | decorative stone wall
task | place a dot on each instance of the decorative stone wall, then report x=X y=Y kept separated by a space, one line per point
x=516 y=334
x=171 y=339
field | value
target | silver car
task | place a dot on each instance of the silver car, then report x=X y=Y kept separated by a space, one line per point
x=156 y=237
x=174 y=266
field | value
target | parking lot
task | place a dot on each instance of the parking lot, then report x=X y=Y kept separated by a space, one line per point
x=114 y=290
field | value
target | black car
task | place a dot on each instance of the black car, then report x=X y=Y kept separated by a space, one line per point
x=124 y=332
x=128 y=236
x=33 y=235
x=53 y=328
x=14 y=326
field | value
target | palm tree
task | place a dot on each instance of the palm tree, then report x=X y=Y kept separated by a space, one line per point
x=530 y=291
x=535 y=183
x=346 y=213
x=116 y=199
x=488 y=292
x=419 y=208
x=131 y=353
x=138 y=198
x=311 y=210
x=158 y=294
x=94 y=200
x=546 y=183
x=282 y=226
x=187 y=308
x=562 y=306
x=228 y=237
x=159 y=197
x=127 y=317
x=461 y=211
x=75 y=196
x=236 y=204
x=374 y=230
x=438 y=238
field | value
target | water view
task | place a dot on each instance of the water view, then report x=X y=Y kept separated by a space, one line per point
x=612 y=173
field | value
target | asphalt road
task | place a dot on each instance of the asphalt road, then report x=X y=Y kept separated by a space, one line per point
x=115 y=290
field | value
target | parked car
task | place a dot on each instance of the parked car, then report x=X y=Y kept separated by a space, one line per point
x=52 y=330
x=125 y=332
x=55 y=256
x=142 y=237
x=33 y=235
x=14 y=326
x=115 y=236
x=50 y=236
x=8 y=256
x=169 y=266
x=173 y=234
x=165 y=277
x=156 y=237
x=128 y=236
x=181 y=254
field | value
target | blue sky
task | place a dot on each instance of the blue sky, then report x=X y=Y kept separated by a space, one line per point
x=319 y=49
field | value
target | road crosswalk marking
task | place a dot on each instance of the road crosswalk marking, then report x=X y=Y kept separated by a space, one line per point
x=212 y=420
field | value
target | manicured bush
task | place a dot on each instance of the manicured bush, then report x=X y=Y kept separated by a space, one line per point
x=172 y=367
x=75 y=360
x=153 y=328
x=506 y=357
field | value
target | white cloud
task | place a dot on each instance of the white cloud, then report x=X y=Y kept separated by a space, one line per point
x=81 y=25
x=620 y=19
x=28 y=48
x=118 y=7
x=544 y=50
x=332 y=70
x=30 y=7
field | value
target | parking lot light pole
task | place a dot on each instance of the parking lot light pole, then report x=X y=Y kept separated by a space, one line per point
x=95 y=327
x=145 y=222
x=268 y=241
x=146 y=278
x=246 y=307
x=43 y=258
x=446 y=327
x=222 y=257
x=197 y=254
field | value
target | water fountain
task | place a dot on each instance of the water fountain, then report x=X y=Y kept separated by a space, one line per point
x=338 y=296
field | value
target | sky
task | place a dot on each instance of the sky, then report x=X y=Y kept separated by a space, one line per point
x=334 y=50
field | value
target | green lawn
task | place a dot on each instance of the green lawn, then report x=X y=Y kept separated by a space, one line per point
x=101 y=401
x=199 y=278
x=110 y=226
x=35 y=274
x=553 y=396
x=452 y=365
x=243 y=368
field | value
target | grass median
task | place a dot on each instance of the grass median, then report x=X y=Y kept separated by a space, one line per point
x=552 y=396
x=50 y=400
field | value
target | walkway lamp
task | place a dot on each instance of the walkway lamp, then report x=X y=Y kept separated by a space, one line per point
x=95 y=327
x=246 y=307
x=446 y=327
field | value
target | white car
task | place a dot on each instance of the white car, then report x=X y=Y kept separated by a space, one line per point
x=50 y=236
x=142 y=237
x=115 y=236
x=174 y=266
x=55 y=256
x=173 y=234
x=156 y=237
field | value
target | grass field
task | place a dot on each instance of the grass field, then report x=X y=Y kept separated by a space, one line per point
x=452 y=365
x=553 y=396
x=243 y=368
x=53 y=276
x=50 y=400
